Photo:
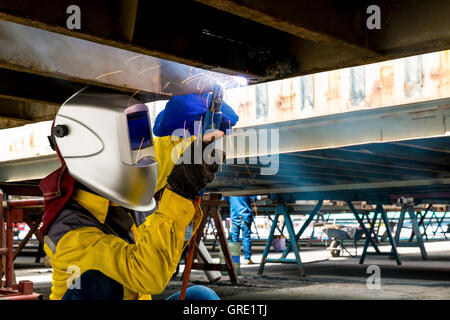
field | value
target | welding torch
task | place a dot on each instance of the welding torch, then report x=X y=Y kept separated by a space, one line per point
x=213 y=117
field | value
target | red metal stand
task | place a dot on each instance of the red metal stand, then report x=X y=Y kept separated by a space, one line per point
x=211 y=208
x=9 y=290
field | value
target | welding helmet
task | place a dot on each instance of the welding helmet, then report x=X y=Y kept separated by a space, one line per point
x=106 y=141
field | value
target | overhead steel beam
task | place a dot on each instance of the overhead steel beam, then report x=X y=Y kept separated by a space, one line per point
x=333 y=23
x=387 y=124
x=171 y=30
x=341 y=187
x=411 y=27
x=420 y=120
x=406 y=27
x=30 y=87
x=30 y=50
x=8 y=122
x=28 y=169
x=34 y=88
x=262 y=40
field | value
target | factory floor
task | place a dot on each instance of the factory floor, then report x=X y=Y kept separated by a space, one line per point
x=327 y=277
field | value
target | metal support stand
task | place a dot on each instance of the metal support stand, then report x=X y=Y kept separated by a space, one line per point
x=439 y=223
x=293 y=238
x=369 y=240
x=416 y=230
x=415 y=227
x=229 y=265
x=10 y=290
x=401 y=220
x=421 y=223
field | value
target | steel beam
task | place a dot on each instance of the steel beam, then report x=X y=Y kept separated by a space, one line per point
x=7 y=122
x=340 y=187
x=411 y=27
x=264 y=40
x=28 y=169
x=182 y=32
x=300 y=18
x=387 y=124
x=52 y=55
x=406 y=27
x=28 y=87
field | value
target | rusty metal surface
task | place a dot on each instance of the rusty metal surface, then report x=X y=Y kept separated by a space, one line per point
x=390 y=83
x=389 y=124
x=25 y=142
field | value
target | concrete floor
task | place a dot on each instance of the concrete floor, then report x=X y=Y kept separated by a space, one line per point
x=327 y=277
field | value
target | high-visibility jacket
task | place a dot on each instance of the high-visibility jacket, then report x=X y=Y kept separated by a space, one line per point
x=84 y=240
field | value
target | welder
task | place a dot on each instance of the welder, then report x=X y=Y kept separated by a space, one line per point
x=105 y=236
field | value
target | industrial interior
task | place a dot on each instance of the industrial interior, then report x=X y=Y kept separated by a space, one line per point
x=342 y=139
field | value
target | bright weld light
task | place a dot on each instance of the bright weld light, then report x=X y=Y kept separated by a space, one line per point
x=240 y=80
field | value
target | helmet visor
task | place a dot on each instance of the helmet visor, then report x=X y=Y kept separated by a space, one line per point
x=139 y=129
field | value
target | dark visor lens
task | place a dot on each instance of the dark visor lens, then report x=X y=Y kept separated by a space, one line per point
x=139 y=130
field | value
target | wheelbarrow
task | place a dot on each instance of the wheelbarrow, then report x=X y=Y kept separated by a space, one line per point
x=337 y=237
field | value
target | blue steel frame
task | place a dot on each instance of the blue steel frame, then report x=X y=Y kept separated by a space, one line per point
x=439 y=223
x=421 y=223
x=292 y=244
x=293 y=238
x=369 y=239
x=415 y=227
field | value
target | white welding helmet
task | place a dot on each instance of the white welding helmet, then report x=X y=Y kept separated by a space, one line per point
x=106 y=142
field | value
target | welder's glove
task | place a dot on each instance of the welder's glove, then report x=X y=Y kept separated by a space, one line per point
x=188 y=179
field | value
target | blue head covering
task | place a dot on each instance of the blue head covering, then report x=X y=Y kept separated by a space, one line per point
x=182 y=111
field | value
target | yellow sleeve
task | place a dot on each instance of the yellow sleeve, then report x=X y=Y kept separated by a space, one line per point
x=145 y=267
x=168 y=149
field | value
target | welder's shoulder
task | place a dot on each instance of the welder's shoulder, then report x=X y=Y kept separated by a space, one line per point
x=76 y=224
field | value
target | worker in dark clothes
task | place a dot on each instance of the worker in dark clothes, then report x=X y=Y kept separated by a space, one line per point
x=241 y=219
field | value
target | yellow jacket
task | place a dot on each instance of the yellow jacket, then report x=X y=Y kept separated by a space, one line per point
x=143 y=268
x=168 y=149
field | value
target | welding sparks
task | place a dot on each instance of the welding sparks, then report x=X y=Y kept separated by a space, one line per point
x=139 y=150
x=165 y=86
x=107 y=74
x=131 y=98
x=148 y=69
x=191 y=78
x=132 y=58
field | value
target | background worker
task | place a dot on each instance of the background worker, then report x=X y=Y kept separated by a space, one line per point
x=241 y=219
x=99 y=235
